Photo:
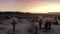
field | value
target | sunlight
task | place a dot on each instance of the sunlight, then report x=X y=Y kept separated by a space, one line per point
x=46 y=8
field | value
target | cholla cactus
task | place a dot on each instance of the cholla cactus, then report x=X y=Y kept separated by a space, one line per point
x=0 y=17
x=36 y=24
x=14 y=22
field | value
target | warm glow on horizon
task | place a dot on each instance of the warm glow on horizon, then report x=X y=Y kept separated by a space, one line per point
x=44 y=8
x=31 y=6
x=40 y=9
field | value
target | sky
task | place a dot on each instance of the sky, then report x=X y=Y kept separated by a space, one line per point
x=32 y=6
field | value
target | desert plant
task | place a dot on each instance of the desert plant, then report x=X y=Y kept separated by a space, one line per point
x=15 y=21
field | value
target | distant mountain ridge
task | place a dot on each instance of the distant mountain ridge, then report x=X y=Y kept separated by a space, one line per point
x=15 y=13
x=21 y=14
x=11 y=13
x=54 y=13
x=25 y=14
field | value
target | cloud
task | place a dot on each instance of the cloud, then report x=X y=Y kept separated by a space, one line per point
x=38 y=0
x=17 y=0
x=51 y=0
x=8 y=0
x=9 y=7
x=23 y=4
